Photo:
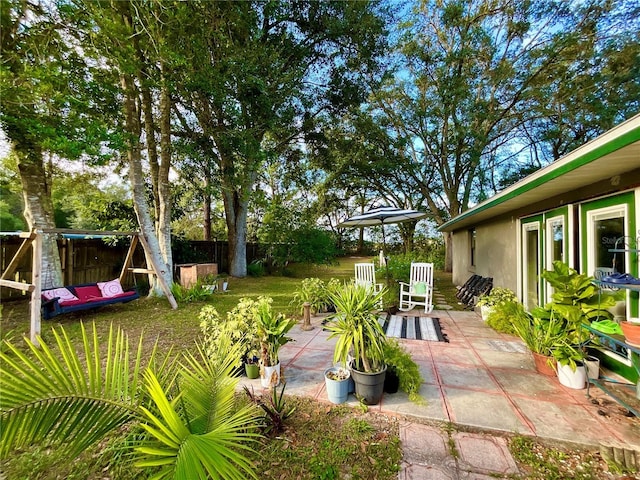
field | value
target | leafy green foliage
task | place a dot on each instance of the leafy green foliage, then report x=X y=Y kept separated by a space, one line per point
x=194 y=427
x=540 y=331
x=576 y=297
x=272 y=329
x=315 y=292
x=240 y=328
x=197 y=292
x=502 y=316
x=399 y=360
x=497 y=296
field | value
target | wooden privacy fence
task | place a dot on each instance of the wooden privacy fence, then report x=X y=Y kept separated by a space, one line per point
x=94 y=260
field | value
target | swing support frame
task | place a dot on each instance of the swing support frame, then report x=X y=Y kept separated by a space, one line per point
x=34 y=239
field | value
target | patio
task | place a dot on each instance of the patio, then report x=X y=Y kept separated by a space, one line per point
x=480 y=380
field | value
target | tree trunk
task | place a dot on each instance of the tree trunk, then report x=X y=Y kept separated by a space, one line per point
x=38 y=207
x=448 y=251
x=137 y=179
x=236 y=215
x=207 y=205
x=164 y=191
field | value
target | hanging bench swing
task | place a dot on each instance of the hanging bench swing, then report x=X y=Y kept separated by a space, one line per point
x=51 y=302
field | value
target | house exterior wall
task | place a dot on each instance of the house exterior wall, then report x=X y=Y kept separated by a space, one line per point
x=496 y=253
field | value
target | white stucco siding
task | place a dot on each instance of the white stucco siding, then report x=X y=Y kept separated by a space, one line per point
x=496 y=253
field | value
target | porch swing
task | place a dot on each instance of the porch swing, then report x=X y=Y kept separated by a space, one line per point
x=51 y=302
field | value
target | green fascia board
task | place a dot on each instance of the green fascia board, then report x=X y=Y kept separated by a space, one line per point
x=590 y=156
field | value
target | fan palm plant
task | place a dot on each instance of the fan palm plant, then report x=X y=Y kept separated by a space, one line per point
x=194 y=428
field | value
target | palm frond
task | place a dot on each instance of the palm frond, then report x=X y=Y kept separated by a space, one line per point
x=201 y=433
x=66 y=396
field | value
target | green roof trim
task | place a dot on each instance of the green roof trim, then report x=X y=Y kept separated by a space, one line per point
x=608 y=147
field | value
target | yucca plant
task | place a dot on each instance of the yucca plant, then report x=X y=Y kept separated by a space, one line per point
x=194 y=428
x=356 y=325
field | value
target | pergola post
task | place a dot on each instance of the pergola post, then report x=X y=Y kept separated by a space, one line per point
x=36 y=281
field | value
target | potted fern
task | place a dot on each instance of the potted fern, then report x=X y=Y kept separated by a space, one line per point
x=496 y=297
x=360 y=336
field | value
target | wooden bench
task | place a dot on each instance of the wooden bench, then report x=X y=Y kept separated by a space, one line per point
x=88 y=296
x=474 y=287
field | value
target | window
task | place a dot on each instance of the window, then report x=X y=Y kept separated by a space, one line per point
x=472 y=247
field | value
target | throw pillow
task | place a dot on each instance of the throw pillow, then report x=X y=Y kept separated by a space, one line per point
x=63 y=294
x=110 y=289
x=420 y=288
x=88 y=293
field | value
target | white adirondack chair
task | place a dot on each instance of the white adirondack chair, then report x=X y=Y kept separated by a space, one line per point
x=366 y=276
x=419 y=290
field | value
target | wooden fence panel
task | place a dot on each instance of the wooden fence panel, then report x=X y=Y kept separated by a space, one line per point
x=93 y=260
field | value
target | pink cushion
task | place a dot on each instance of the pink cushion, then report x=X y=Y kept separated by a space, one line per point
x=88 y=293
x=61 y=293
x=110 y=289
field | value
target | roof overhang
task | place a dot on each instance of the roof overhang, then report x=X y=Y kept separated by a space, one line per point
x=612 y=153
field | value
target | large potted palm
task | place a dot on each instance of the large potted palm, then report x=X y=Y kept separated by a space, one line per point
x=360 y=337
x=272 y=331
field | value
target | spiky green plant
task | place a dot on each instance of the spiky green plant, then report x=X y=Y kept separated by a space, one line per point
x=194 y=428
x=357 y=327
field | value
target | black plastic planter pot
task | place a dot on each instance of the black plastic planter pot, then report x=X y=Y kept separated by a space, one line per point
x=369 y=386
x=391 y=382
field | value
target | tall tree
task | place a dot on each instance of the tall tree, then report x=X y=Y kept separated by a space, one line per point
x=44 y=109
x=467 y=72
x=255 y=70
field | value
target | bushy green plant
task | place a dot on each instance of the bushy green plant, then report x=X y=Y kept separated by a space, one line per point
x=408 y=372
x=240 y=327
x=356 y=326
x=502 y=315
x=199 y=292
x=315 y=292
x=311 y=291
x=256 y=269
x=497 y=296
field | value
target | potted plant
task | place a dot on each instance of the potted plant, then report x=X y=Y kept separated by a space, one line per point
x=359 y=333
x=252 y=364
x=402 y=372
x=571 y=370
x=240 y=327
x=337 y=384
x=495 y=297
x=272 y=329
x=541 y=330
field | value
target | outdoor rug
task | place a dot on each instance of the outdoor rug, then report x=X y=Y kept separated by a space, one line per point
x=412 y=327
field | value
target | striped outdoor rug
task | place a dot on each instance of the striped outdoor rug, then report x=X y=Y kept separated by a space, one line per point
x=412 y=327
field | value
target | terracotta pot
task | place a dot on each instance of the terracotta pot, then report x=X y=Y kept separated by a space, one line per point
x=631 y=332
x=543 y=366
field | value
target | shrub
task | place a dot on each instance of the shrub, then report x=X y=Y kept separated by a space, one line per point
x=256 y=269
x=315 y=292
x=496 y=297
x=502 y=316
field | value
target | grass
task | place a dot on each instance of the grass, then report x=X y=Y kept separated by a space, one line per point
x=319 y=442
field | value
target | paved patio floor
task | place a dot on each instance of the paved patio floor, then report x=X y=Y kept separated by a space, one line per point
x=482 y=381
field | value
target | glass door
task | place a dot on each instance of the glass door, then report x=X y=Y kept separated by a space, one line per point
x=531 y=261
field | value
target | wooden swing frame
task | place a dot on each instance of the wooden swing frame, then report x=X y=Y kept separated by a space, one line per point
x=34 y=240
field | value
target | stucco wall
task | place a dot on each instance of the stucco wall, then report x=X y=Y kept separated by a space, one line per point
x=496 y=249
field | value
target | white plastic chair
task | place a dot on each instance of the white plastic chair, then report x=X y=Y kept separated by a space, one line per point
x=366 y=276
x=419 y=290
